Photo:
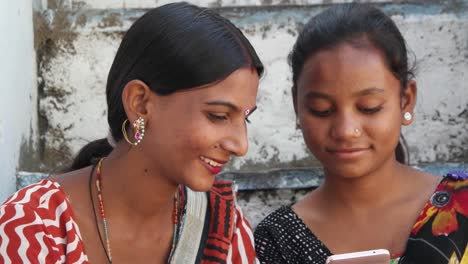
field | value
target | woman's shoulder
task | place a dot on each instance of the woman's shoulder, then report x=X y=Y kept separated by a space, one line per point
x=38 y=205
x=43 y=200
x=440 y=230
x=285 y=225
x=446 y=206
x=284 y=222
x=279 y=217
x=37 y=195
x=282 y=237
x=39 y=215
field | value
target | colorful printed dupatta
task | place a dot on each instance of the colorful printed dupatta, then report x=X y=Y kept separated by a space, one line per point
x=440 y=234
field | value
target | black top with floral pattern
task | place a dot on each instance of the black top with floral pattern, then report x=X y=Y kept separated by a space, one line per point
x=439 y=236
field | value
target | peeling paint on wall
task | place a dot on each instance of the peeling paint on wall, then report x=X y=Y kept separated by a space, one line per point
x=74 y=95
x=116 y=4
x=439 y=132
x=76 y=49
x=273 y=138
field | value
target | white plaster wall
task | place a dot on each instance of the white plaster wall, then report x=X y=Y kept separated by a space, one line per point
x=438 y=47
x=106 y=4
x=272 y=133
x=82 y=115
x=17 y=89
x=439 y=42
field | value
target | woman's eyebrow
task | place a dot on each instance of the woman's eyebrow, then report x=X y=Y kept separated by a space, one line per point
x=314 y=94
x=224 y=103
x=369 y=91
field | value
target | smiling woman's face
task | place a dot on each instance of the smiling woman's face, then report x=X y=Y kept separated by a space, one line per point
x=350 y=109
x=193 y=132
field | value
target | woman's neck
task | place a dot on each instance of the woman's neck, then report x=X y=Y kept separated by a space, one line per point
x=132 y=186
x=374 y=190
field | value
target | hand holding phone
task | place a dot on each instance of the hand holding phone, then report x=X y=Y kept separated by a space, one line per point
x=377 y=256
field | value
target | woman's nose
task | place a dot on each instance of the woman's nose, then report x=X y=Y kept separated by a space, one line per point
x=236 y=142
x=346 y=127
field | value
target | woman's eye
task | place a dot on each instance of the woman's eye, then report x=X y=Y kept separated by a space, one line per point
x=217 y=117
x=321 y=113
x=371 y=110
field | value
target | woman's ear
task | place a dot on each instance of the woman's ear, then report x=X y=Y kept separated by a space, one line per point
x=408 y=102
x=136 y=98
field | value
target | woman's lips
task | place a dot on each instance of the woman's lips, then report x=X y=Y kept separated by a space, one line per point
x=214 y=166
x=348 y=153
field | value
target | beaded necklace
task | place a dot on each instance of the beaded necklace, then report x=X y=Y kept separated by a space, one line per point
x=107 y=247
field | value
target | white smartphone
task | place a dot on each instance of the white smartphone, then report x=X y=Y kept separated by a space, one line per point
x=376 y=256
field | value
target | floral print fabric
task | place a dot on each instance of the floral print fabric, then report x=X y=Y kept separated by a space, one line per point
x=440 y=234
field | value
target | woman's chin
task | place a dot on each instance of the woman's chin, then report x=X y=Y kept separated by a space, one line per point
x=200 y=185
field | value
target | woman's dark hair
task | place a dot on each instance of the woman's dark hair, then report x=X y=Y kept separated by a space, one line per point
x=90 y=152
x=174 y=47
x=361 y=26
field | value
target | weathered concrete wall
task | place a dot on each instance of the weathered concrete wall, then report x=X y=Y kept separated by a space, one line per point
x=117 y=4
x=76 y=41
x=79 y=38
x=440 y=45
x=17 y=89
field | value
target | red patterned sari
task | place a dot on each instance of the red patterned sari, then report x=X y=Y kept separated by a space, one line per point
x=37 y=225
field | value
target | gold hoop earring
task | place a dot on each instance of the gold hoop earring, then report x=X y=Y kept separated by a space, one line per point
x=139 y=127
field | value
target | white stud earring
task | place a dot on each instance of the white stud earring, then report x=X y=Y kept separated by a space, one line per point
x=407 y=116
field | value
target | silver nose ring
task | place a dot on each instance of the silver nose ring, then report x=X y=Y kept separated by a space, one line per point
x=357 y=132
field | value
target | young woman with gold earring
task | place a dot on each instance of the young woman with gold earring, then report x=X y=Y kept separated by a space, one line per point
x=178 y=100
